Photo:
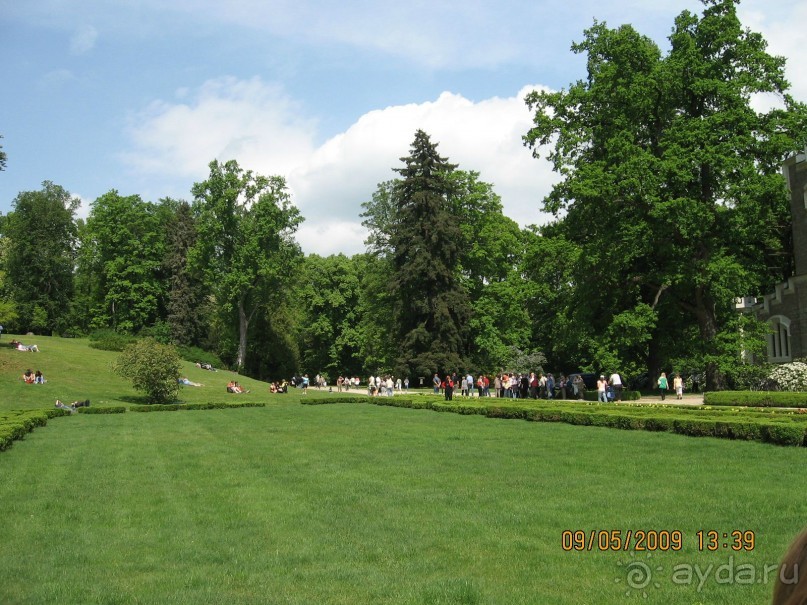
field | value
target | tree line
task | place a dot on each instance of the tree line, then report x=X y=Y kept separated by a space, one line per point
x=671 y=203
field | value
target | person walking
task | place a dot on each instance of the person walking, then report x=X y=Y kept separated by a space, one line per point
x=678 y=385
x=663 y=385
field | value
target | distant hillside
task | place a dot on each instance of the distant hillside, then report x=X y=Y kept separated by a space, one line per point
x=73 y=370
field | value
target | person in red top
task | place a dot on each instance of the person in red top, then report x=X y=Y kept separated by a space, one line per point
x=449 y=388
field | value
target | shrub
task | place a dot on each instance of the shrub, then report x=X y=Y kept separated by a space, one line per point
x=777 y=399
x=153 y=369
x=783 y=434
x=112 y=409
x=109 y=340
x=627 y=395
x=197 y=355
x=744 y=376
x=15 y=425
x=159 y=331
x=790 y=376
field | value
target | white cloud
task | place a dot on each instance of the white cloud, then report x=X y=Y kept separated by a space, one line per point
x=83 y=39
x=247 y=120
x=83 y=210
x=259 y=126
x=331 y=236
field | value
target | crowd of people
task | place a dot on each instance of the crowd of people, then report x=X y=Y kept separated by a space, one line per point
x=532 y=385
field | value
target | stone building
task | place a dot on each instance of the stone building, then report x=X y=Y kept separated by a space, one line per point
x=785 y=309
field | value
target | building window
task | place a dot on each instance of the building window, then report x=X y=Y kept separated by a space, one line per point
x=779 y=339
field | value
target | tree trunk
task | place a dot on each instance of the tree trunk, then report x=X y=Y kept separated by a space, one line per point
x=707 y=322
x=243 y=327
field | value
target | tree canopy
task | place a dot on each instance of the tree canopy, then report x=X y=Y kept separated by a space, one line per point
x=40 y=256
x=671 y=185
x=245 y=247
x=430 y=309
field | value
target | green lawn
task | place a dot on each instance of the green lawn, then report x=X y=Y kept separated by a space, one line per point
x=75 y=371
x=357 y=503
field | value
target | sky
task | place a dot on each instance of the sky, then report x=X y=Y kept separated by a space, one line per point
x=140 y=96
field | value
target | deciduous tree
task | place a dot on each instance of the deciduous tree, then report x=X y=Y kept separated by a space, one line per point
x=245 y=246
x=41 y=252
x=123 y=247
x=671 y=181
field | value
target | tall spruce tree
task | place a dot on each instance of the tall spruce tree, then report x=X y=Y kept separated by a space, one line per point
x=187 y=294
x=431 y=309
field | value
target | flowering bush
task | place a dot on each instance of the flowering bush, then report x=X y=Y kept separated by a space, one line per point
x=790 y=376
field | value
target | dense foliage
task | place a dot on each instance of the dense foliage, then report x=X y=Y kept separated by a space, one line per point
x=671 y=187
x=40 y=255
x=153 y=369
x=670 y=205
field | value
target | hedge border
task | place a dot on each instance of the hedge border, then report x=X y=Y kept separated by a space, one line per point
x=16 y=424
x=760 y=399
x=693 y=422
x=111 y=409
x=179 y=407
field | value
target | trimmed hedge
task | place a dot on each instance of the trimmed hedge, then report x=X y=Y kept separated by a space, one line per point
x=340 y=399
x=761 y=399
x=784 y=429
x=177 y=407
x=591 y=395
x=15 y=425
x=112 y=409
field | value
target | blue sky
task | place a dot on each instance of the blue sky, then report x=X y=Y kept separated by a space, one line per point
x=139 y=95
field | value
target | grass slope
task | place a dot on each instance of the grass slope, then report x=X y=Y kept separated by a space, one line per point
x=75 y=371
x=367 y=504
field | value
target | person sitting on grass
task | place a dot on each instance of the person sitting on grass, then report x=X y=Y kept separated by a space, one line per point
x=39 y=378
x=278 y=387
x=234 y=387
x=28 y=377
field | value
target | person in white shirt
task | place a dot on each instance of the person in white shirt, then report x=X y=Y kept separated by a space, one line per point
x=616 y=382
x=601 y=395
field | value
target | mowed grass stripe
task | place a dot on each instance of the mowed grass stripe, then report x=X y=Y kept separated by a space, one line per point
x=362 y=504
